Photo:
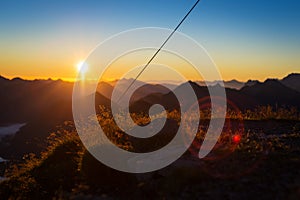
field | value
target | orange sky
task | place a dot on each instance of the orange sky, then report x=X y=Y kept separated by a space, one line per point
x=47 y=40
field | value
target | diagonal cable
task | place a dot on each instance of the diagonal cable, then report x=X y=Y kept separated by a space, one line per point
x=168 y=38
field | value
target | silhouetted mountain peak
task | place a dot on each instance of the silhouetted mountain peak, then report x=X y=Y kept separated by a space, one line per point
x=17 y=79
x=272 y=81
x=292 y=75
x=292 y=81
x=3 y=78
x=193 y=84
x=251 y=82
x=234 y=84
x=269 y=84
x=273 y=92
x=234 y=81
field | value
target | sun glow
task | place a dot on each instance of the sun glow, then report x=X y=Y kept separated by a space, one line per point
x=79 y=65
x=82 y=67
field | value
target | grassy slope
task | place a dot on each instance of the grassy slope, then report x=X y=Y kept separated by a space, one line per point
x=265 y=168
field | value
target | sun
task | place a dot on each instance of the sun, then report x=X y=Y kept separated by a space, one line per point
x=82 y=67
x=79 y=65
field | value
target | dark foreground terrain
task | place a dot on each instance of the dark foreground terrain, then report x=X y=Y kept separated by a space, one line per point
x=263 y=163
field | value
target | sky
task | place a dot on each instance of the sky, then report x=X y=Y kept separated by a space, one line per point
x=247 y=39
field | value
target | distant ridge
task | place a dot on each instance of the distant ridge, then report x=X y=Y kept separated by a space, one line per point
x=234 y=84
x=273 y=92
x=292 y=81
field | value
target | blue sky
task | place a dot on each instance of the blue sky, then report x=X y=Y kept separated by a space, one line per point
x=239 y=34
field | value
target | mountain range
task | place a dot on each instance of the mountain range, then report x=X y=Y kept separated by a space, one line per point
x=291 y=81
x=44 y=104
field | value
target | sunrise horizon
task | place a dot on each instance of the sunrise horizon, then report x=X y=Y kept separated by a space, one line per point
x=41 y=40
x=73 y=79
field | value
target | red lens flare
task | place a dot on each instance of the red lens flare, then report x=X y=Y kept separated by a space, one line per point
x=236 y=139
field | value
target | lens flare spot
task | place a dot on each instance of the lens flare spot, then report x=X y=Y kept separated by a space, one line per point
x=236 y=139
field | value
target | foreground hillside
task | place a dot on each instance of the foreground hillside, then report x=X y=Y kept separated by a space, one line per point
x=261 y=164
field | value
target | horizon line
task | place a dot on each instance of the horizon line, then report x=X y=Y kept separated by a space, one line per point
x=72 y=80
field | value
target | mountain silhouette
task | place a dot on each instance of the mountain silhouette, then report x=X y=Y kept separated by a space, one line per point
x=136 y=91
x=292 y=81
x=23 y=101
x=41 y=104
x=251 y=82
x=106 y=89
x=242 y=101
x=44 y=104
x=233 y=84
x=272 y=92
